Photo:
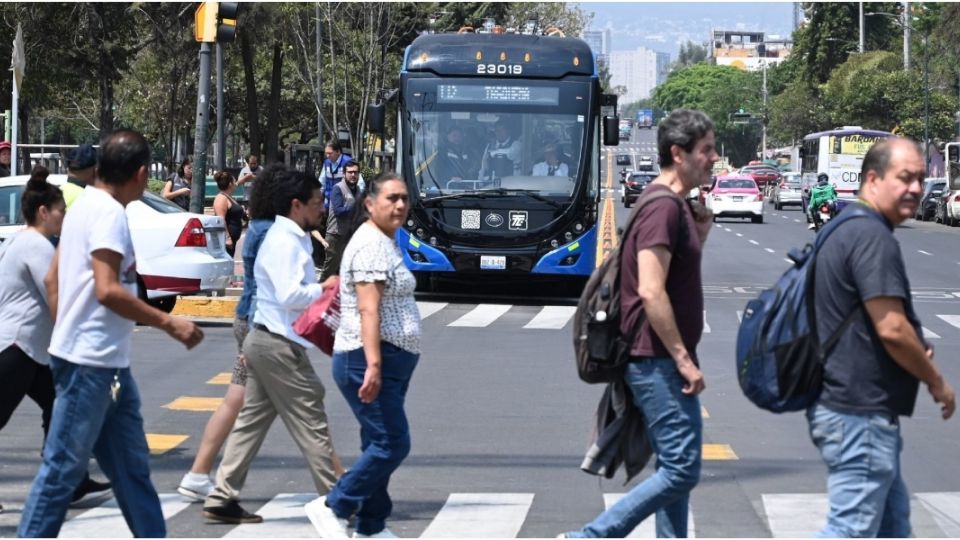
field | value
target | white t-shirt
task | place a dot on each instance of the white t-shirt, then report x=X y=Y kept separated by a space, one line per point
x=87 y=332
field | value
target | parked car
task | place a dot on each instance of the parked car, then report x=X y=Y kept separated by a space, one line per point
x=177 y=252
x=761 y=174
x=951 y=206
x=932 y=190
x=633 y=186
x=735 y=196
x=788 y=191
x=624 y=160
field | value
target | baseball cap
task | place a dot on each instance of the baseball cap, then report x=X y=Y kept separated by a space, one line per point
x=4 y=144
x=82 y=157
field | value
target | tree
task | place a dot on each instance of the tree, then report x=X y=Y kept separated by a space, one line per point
x=690 y=53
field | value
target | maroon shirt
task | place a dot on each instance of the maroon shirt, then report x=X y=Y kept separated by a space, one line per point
x=659 y=225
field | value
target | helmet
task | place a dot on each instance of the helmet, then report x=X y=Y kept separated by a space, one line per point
x=822 y=179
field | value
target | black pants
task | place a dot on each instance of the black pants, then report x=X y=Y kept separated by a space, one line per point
x=20 y=376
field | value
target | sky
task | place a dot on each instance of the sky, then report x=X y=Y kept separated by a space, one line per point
x=663 y=26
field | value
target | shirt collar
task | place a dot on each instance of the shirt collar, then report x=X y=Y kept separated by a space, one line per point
x=290 y=225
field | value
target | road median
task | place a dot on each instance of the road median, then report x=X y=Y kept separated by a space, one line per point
x=206 y=307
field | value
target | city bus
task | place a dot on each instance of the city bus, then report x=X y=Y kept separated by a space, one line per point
x=498 y=139
x=839 y=153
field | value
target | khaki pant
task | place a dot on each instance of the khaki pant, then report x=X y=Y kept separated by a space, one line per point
x=281 y=382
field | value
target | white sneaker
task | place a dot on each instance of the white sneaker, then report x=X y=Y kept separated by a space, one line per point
x=385 y=533
x=195 y=486
x=327 y=524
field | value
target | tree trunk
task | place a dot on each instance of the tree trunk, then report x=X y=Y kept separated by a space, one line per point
x=246 y=51
x=273 y=116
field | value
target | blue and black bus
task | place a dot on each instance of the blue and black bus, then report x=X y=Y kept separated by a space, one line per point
x=499 y=142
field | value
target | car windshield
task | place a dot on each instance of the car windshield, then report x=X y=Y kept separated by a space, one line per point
x=159 y=204
x=641 y=178
x=737 y=184
x=10 y=205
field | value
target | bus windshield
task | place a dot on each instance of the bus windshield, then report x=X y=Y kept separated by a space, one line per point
x=505 y=137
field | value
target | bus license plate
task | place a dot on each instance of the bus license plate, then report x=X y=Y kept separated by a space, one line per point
x=493 y=262
x=215 y=241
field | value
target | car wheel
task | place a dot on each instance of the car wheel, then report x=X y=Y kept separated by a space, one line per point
x=627 y=203
x=757 y=219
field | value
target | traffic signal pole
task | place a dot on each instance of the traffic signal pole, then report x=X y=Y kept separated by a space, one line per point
x=221 y=114
x=200 y=141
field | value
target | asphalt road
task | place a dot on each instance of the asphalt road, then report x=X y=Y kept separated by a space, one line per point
x=500 y=421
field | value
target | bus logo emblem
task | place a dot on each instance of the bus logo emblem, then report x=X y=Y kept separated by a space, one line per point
x=494 y=220
x=518 y=220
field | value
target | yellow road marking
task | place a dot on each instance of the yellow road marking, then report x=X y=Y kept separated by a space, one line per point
x=607 y=235
x=718 y=452
x=703 y=412
x=161 y=444
x=201 y=404
x=221 y=378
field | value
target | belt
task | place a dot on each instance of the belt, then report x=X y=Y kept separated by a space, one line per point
x=262 y=328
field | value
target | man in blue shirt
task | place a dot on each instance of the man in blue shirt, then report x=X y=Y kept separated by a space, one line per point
x=333 y=169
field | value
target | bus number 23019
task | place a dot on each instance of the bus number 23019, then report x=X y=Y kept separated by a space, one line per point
x=499 y=69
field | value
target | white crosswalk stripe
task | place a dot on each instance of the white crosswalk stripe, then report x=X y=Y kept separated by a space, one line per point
x=502 y=515
x=107 y=520
x=648 y=527
x=285 y=516
x=552 y=317
x=481 y=316
x=429 y=308
x=706 y=325
x=952 y=320
x=480 y=515
x=930 y=334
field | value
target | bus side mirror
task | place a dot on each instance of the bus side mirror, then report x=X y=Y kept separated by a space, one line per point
x=376 y=118
x=611 y=130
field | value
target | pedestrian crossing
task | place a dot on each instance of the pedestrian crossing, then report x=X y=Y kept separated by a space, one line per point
x=558 y=317
x=503 y=515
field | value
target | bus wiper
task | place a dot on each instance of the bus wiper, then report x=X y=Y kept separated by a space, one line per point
x=528 y=192
x=469 y=194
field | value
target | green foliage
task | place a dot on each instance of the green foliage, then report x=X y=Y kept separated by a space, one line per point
x=717 y=91
x=690 y=53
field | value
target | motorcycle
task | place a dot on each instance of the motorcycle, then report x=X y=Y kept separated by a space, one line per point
x=824 y=214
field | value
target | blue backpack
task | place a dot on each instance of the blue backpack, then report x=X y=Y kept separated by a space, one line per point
x=779 y=355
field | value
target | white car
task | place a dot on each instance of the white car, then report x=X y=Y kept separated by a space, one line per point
x=788 y=191
x=735 y=196
x=177 y=252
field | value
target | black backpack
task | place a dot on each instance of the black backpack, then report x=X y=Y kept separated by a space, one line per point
x=601 y=351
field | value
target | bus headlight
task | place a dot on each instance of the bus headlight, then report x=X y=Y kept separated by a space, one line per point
x=554 y=244
x=568 y=236
x=578 y=227
x=410 y=223
x=419 y=233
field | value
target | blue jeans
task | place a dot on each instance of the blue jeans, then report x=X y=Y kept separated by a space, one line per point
x=384 y=435
x=868 y=498
x=87 y=421
x=676 y=434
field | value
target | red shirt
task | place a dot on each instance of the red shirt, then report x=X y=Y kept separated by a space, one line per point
x=659 y=225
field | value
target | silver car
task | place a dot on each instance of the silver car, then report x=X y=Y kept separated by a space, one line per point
x=788 y=191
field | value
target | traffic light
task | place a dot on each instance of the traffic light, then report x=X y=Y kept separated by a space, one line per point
x=216 y=22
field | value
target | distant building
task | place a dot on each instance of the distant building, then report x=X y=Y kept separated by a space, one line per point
x=748 y=50
x=639 y=71
x=599 y=42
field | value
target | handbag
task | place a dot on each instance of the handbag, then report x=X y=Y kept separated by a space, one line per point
x=319 y=322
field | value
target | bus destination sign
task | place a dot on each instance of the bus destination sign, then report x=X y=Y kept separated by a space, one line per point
x=498 y=94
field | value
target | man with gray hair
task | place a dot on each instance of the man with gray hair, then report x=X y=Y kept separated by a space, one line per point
x=665 y=245
x=871 y=376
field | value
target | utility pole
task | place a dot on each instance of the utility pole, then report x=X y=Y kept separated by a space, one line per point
x=319 y=80
x=199 y=183
x=763 y=130
x=861 y=28
x=221 y=113
x=906 y=36
x=926 y=102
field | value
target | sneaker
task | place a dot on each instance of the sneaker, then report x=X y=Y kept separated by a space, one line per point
x=195 y=486
x=90 y=490
x=327 y=524
x=231 y=513
x=385 y=533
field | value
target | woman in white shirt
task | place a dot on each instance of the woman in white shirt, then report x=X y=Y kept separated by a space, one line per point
x=25 y=320
x=376 y=349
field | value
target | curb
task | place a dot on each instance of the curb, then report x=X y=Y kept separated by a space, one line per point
x=206 y=307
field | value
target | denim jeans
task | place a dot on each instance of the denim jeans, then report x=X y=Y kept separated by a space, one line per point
x=384 y=435
x=868 y=497
x=87 y=421
x=676 y=434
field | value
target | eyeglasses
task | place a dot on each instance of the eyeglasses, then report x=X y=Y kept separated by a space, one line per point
x=351 y=172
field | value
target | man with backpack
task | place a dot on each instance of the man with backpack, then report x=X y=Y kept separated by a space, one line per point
x=663 y=247
x=871 y=373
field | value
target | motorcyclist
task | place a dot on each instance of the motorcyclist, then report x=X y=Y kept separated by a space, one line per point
x=821 y=193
